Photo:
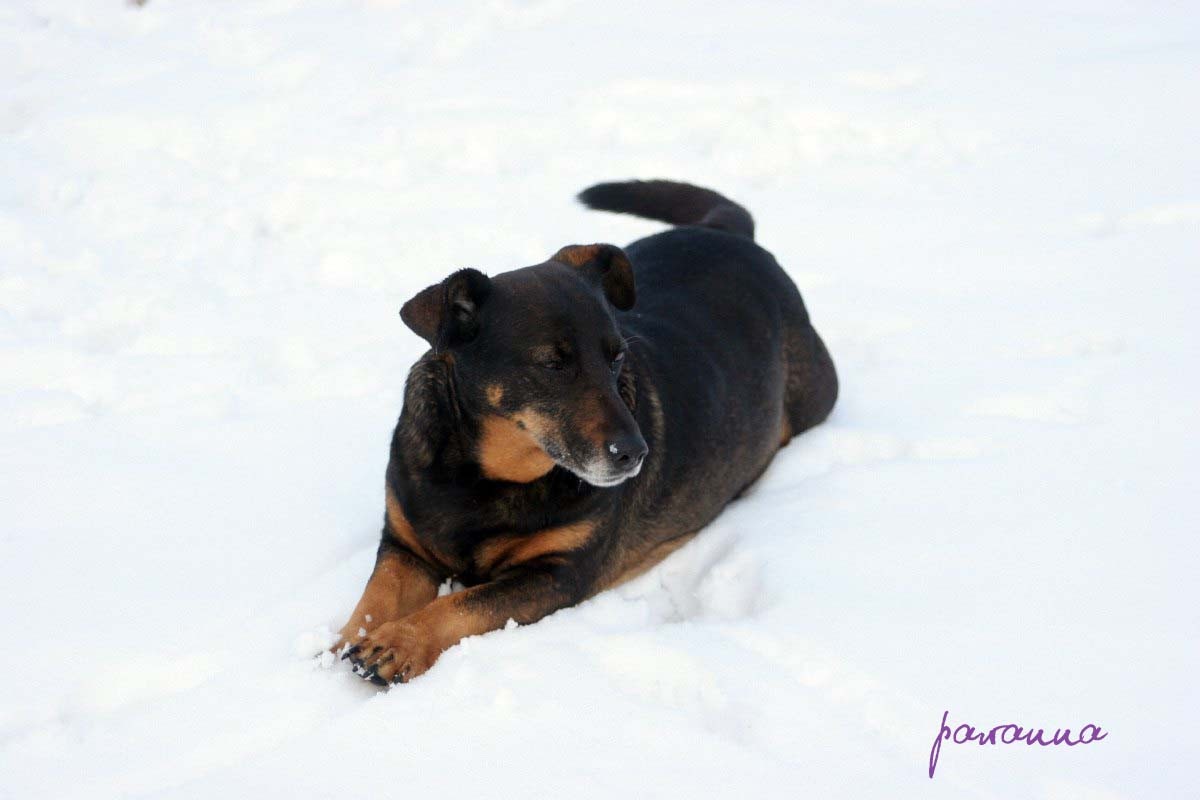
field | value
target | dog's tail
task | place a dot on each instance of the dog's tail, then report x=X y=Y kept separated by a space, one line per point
x=668 y=201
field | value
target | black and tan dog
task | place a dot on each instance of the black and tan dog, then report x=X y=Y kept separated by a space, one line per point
x=567 y=430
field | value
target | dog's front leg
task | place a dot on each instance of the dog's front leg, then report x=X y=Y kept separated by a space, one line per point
x=399 y=651
x=398 y=586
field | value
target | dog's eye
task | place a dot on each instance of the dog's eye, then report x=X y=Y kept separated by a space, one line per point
x=553 y=363
x=617 y=361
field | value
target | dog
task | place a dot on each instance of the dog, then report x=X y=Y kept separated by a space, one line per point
x=575 y=421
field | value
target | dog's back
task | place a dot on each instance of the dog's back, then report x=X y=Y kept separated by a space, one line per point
x=726 y=341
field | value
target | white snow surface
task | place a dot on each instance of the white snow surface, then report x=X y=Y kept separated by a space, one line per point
x=211 y=212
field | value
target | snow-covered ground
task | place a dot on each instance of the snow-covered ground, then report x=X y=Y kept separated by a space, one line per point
x=210 y=214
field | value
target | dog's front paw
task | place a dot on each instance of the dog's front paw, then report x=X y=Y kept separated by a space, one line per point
x=395 y=652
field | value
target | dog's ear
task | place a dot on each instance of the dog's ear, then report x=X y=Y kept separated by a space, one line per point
x=606 y=265
x=447 y=313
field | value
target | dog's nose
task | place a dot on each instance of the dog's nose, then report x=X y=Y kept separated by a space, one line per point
x=627 y=452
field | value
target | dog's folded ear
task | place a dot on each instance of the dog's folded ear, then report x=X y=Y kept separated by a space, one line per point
x=606 y=265
x=447 y=313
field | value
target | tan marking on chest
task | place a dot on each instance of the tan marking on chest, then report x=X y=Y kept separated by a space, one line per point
x=508 y=452
x=507 y=551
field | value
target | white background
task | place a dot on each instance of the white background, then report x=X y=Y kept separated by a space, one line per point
x=211 y=212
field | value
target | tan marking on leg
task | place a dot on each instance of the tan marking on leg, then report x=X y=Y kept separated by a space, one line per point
x=495 y=394
x=509 y=452
x=400 y=528
x=405 y=648
x=396 y=588
x=402 y=649
x=508 y=551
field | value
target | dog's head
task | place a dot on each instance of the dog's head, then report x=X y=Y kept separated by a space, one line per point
x=538 y=359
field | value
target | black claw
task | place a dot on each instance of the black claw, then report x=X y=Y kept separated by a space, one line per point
x=378 y=681
x=352 y=652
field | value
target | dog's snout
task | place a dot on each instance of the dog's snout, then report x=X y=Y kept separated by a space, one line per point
x=627 y=452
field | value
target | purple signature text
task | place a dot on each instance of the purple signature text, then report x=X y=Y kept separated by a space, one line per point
x=1008 y=734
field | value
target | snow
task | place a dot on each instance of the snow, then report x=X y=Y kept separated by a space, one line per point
x=210 y=215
